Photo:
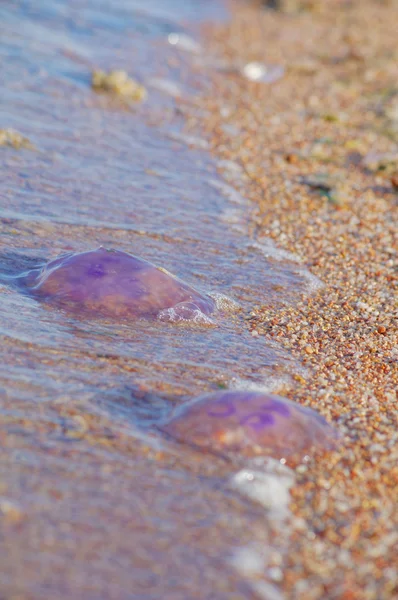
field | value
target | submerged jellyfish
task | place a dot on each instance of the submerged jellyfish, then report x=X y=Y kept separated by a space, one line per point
x=112 y=283
x=250 y=423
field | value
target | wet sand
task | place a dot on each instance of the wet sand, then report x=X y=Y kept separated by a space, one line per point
x=331 y=114
x=95 y=503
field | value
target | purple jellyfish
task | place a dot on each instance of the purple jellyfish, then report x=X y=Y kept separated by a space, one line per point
x=251 y=423
x=112 y=283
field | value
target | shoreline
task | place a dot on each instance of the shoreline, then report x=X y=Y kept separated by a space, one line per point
x=94 y=502
x=306 y=143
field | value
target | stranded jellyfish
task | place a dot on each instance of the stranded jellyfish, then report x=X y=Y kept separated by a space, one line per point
x=251 y=423
x=112 y=283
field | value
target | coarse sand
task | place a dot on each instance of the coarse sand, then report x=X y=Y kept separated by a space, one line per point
x=86 y=507
x=334 y=114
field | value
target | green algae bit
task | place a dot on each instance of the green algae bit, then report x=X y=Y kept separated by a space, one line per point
x=13 y=139
x=119 y=84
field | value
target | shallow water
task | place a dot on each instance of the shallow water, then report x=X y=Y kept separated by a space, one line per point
x=109 y=509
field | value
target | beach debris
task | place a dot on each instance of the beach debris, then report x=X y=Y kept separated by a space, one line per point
x=13 y=139
x=113 y=283
x=257 y=71
x=335 y=190
x=119 y=84
x=10 y=511
x=319 y=181
x=250 y=423
x=293 y=6
x=381 y=161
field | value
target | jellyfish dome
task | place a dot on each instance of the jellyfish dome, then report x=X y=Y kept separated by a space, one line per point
x=112 y=283
x=250 y=423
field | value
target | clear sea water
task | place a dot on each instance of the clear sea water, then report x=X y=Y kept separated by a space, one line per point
x=107 y=508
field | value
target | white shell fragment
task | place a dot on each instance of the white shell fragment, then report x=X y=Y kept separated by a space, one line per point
x=257 y=71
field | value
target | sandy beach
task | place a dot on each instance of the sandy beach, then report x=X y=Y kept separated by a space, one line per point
x=256 y=158
x=319 y=151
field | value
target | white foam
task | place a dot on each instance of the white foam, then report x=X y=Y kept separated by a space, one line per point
x=268 y=248
x=228 y=191
x=251 y=563
x=189 y=140
x=184 y=42
x=185 y=312
x=224 y=303
x=154 y=10
x=267 y=482
x=232 y=216
x=266 y=386
x=165 y=85
x=231 y=170
x=313 y=282
x=248 y=561
x=267 y=591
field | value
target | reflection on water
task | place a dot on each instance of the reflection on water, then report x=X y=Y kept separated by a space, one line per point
x=78 y=395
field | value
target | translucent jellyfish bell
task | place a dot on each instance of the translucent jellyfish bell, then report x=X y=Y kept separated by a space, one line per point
x=112 y=283
x=251 y=423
